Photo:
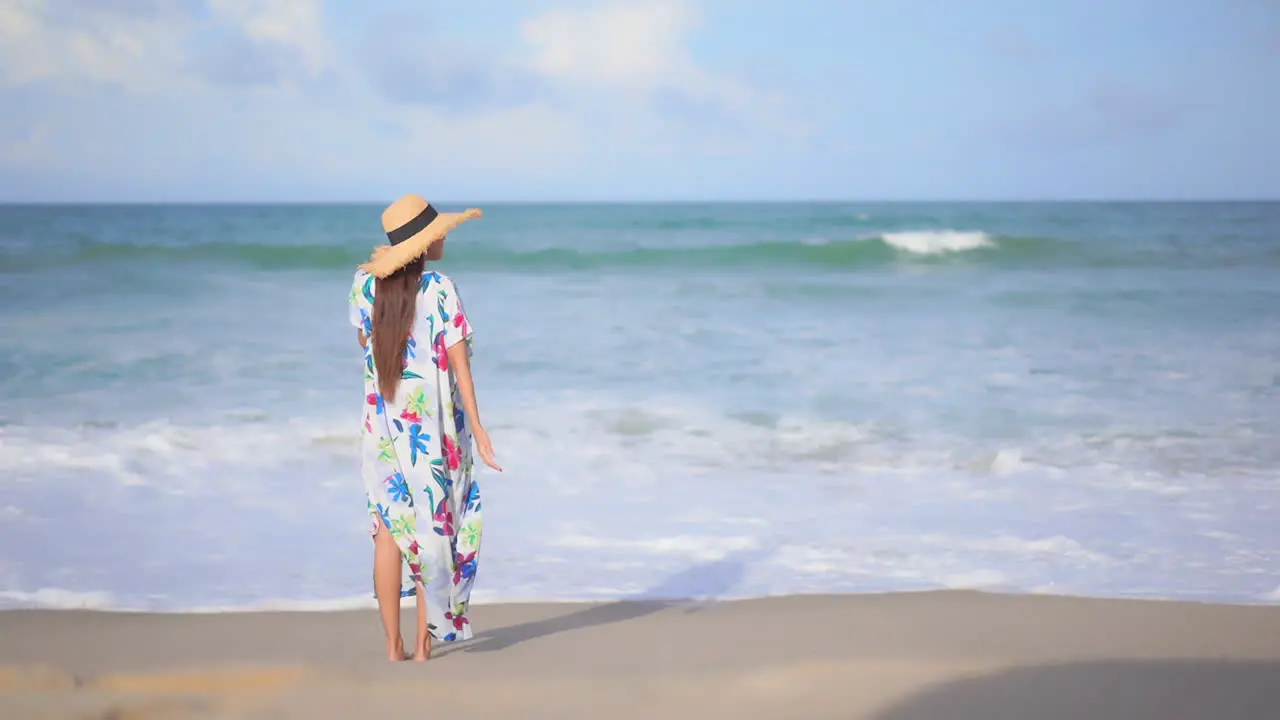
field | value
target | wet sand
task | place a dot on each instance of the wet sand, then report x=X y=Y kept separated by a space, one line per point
x=912 y=656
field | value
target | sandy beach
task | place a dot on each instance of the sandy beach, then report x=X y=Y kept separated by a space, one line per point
x=918 y=656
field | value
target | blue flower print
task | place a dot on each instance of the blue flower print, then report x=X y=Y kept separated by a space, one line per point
x=398 y=489
x=427 y=278
x=419 y=443
x=467 y=568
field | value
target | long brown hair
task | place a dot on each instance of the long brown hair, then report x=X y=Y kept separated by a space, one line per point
x=395 y=303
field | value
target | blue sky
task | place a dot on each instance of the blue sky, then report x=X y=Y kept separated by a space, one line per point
x=284 y=100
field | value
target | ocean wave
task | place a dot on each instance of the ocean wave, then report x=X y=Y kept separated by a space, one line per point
x=51 y=598
x=937 y=242
x=612 y=498
x=869 y=250
x=270 y=257
x=604 y=433
x=57 y=599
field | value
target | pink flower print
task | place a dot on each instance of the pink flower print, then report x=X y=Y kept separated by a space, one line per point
x=367 y=424
x=440 y=351
x=413 y=548
x=410 y=416
x=443 y=520
x=457 y=620
x=451 y=453
x=460 y=321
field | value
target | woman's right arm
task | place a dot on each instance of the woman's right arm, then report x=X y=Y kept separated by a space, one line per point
x=460 y=363
x=457 y=334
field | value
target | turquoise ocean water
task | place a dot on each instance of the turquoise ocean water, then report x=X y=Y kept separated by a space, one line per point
x=689 y=400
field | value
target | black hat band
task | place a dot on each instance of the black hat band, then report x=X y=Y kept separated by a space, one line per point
x=414 y=226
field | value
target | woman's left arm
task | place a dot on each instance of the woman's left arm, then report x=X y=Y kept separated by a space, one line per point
x=364 y=341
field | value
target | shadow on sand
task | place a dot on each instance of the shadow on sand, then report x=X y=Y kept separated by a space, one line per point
x=708 y=579
x=1106 y=690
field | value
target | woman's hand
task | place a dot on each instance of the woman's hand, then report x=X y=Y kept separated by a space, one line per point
x=484 y=447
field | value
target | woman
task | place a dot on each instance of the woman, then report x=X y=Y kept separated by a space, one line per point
x=419 y=419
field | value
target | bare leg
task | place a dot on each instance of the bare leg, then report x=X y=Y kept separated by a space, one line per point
x=422 y=645
x=387 y=563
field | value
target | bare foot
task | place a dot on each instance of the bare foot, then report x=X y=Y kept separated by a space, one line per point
x=424 y=651
x=396 y=652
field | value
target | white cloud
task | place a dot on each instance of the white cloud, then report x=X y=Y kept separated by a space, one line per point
x=40 y=39
x=633 y=43
x=147 y=45
x=29 y=150
x=19 y=29
x=292 y=24
x=604 y=91
x=639 y=49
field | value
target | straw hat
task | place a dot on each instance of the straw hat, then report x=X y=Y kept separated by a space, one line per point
x=412 y=225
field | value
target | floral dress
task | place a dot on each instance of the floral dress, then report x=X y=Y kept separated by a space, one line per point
x=416 y=454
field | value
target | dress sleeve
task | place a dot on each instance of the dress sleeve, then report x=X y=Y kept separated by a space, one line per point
x=360 y=303
x=456 y=326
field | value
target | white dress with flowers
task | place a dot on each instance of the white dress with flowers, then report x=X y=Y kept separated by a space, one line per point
x=416 y=454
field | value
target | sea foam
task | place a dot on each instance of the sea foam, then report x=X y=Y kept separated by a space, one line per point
x=934 y=242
